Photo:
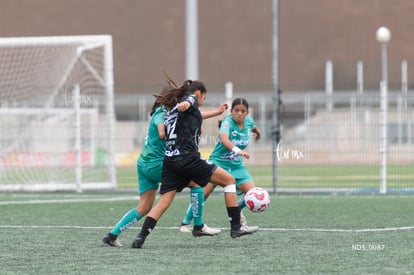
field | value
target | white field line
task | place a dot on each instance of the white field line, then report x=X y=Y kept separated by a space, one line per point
x=46 y=201
x=124 y=198
x=339 y=230
x=345 y=177
x=136 y=198
x=275 y=229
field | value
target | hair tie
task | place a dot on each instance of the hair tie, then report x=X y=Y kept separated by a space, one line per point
x=190 y=82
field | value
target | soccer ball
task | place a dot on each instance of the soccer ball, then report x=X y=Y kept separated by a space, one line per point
x=257 y=199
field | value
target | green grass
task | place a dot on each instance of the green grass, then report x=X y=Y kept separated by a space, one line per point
x=52 y=174
x=60 y=233
x=362 y=177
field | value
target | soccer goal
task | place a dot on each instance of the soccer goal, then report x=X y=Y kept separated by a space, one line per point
x=56 y=113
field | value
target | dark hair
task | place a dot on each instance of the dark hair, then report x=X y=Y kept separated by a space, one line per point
x=236 y=101
x=157 y=104
x=239 y=101
x=170 y=96
x=154 y=107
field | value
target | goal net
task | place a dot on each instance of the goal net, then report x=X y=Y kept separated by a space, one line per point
x=56 y=113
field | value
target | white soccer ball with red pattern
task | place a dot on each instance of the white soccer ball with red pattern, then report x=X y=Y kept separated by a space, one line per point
x=257 y=199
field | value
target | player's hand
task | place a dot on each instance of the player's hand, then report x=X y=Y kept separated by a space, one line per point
x=256 y=136
x=244 y=154
x=183 y=106
x=222 y=108
x=256 y=133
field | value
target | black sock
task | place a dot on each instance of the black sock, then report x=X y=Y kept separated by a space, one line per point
x=112 y=236
x=147 y=227
x=234 y=217
x=198 y=227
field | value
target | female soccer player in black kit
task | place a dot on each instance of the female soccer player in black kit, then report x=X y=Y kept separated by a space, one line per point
x=183 y=166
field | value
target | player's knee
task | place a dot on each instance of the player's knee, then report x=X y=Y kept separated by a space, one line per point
x=227 y=178
x=231 y=179
x=231 y=188
x=222 y=178
x=143 y=209
x=164 y=204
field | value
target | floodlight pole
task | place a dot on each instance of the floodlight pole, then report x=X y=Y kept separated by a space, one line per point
x=383 y=36
x=276 y=92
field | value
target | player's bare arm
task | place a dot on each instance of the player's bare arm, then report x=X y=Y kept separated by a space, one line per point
x=161 y=130
x=224 y=137
x=213 y=113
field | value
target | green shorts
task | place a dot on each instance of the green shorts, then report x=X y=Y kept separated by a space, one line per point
x=241 y=175
x=149 y=175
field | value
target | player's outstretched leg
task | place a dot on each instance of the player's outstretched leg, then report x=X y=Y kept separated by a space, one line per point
x=111 y=240
x=227 y=181
x=237 y=230
x=146 y=229
x=153 y=216
x=197 y=202
x=185 y=226
x=129 y=219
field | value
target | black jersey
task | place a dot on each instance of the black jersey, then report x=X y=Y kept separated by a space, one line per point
x=183 y=129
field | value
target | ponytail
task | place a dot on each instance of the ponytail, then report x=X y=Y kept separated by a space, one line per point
x=171 y=95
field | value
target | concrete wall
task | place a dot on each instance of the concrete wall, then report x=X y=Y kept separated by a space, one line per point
x=234 y=38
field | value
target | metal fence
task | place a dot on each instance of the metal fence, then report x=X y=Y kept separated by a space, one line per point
x=329 y=142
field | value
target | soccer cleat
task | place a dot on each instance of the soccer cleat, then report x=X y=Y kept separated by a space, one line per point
x=243 y=230
x=205 y=231
x=138 y=242
x=252 y=228
x=185 y=228
x=111 y=240
x=243 y=220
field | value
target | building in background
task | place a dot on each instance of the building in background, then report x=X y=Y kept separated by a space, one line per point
x=234 y=39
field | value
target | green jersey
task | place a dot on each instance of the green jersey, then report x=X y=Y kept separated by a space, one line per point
x=224 y=157
x=154 y=147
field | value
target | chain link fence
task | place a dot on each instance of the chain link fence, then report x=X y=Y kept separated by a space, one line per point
x=329 y=143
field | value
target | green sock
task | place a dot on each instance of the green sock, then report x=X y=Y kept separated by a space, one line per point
x=188 y=215
x=197 y=203
x=241 y=202
x=131 y=217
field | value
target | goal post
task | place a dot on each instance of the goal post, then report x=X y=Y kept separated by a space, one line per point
x=57 y=113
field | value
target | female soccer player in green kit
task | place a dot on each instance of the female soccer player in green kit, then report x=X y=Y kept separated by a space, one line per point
x=235 y=132
x=149 y=169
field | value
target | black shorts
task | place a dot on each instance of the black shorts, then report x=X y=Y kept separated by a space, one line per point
x=177 y=173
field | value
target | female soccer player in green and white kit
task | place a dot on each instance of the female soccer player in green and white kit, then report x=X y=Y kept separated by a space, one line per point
x=235 y=131
x=149 y=169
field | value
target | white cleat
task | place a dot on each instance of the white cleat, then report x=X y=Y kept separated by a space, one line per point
x=243 y=230
x=243 y=220
x=186 y=228
x=251 y=229
x=206 y=231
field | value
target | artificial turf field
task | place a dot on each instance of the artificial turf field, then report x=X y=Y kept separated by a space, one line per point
x=60 y=233
x=301 y=178
x=317 y=178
